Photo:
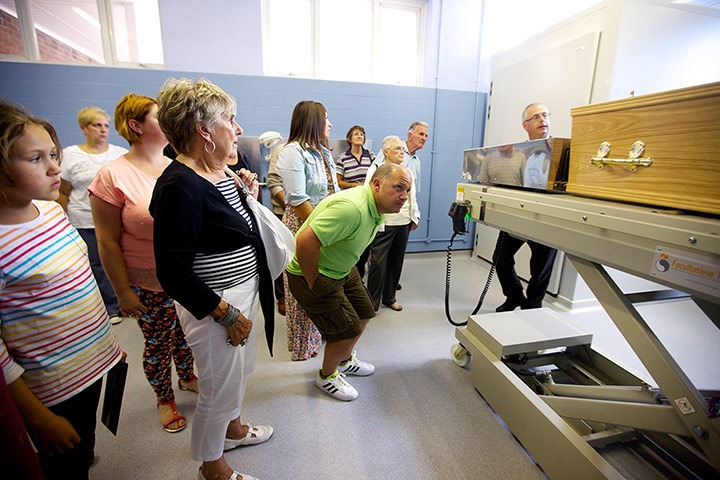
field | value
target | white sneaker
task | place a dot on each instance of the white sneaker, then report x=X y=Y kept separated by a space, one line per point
x=115 y=319
x=336 y=386
x=356 y=367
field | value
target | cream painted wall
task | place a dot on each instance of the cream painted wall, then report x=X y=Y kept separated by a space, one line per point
x=225 y=36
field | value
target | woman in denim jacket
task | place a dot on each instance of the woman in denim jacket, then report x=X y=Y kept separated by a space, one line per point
x=308 y=174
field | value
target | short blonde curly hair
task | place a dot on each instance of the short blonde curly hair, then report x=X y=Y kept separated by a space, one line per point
x=88 y=114
x=183 y=103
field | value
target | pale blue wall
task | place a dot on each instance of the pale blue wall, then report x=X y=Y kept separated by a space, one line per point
x=57 y=92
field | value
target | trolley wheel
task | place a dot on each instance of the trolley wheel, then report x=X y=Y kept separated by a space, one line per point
x=460 y=355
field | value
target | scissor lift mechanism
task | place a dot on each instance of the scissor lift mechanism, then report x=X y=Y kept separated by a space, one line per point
x=594 y=402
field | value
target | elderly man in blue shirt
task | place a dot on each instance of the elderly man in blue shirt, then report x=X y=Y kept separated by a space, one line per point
x=416 y=138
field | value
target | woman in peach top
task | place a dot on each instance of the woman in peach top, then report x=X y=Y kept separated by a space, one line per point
x=119 y=197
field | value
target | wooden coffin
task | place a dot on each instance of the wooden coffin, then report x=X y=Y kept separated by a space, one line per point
x=661 y=149
x=533 y=164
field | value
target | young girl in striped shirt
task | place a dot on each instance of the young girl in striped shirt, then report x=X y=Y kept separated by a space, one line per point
x=56 y=343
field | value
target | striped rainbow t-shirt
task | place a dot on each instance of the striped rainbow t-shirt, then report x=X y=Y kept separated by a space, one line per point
x=54 y=330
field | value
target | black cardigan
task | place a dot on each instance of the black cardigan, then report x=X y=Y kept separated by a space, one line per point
x=190 y=216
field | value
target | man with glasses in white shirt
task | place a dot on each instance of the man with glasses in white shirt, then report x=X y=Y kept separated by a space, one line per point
x=536 y=122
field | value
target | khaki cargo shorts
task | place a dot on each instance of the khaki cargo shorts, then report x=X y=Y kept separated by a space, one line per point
x=334 y=306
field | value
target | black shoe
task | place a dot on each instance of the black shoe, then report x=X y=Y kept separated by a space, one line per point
x=508 y=306
x=530 y=306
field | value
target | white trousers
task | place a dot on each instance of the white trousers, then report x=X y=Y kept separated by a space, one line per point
x=222 y=371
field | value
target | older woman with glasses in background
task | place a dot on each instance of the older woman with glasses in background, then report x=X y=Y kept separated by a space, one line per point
x=387 y=250
x=79 y=166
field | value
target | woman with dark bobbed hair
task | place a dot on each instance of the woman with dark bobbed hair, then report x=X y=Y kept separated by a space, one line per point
x=352 y=165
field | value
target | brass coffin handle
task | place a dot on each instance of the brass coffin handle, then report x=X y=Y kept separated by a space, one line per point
x=633 y=160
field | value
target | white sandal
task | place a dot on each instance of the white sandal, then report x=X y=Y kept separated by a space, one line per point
x=235 y=476
x=255 y=435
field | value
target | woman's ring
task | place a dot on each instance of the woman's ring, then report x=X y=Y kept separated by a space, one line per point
x=243 y=342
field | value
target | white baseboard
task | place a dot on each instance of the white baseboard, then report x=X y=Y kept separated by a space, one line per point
x=565 y=304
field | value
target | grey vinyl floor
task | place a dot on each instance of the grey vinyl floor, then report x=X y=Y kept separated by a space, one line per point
x=417 y=417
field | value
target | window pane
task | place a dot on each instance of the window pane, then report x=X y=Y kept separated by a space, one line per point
x=344 y=45
x=399 y=43
x=289 y=37
x=136 y=25
x=10 y=38
x=67 y=32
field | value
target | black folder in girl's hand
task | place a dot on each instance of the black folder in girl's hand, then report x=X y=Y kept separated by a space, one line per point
x=112 y=401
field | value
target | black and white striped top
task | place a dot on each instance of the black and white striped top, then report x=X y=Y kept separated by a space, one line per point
x=221 y=271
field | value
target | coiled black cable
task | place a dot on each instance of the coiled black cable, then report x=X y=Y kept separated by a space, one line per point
x=487 y=282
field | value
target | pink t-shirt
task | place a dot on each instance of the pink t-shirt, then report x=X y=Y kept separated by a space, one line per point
x=125 y=186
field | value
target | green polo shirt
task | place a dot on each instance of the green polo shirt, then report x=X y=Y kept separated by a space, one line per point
x=345 y=223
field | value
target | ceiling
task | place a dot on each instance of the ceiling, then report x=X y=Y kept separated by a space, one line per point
x=76 y=23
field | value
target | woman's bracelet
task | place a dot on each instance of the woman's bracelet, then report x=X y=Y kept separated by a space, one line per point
x=229 y=318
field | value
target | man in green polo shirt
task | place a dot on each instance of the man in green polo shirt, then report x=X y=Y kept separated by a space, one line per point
x=323 y=278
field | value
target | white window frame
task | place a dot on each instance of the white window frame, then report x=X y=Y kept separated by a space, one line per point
x=418 y=6
x=30 y=45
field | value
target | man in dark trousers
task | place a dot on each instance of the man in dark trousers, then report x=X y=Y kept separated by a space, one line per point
x=536 y=122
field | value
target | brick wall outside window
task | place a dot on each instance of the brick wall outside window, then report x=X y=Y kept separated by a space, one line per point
x=51 y=49
x=10 y=41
